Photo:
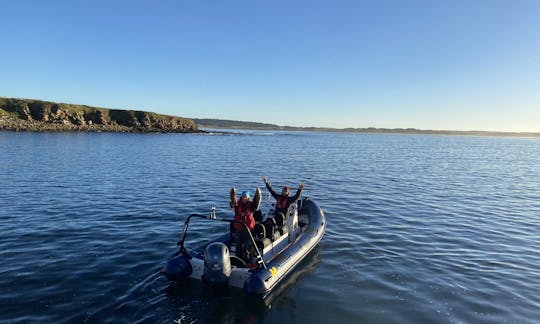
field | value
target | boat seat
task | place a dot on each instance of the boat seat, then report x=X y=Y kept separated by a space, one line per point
x=259 y=234
x=275 y=236
x=259 y=231
x=262 y=243
x=258 y=216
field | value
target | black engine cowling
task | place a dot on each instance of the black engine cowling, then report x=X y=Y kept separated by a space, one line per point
x=217 y=263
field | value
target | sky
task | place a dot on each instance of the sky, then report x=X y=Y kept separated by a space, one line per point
x=434 y=64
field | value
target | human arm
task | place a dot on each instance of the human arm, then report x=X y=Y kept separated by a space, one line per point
x=232 y=199
x=257 y=199
x=298 y=193
x=269 y=187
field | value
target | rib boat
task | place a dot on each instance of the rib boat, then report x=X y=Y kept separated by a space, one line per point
x=275 y=247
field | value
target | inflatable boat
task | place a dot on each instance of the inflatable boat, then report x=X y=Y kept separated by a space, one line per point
x=271 y=252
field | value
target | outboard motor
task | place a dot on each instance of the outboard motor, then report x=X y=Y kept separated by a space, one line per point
x=217 y=264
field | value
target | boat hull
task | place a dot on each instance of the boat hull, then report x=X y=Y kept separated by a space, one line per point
x=263 y=281
x=280 y=258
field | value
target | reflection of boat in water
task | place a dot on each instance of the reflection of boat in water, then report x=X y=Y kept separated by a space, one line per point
x=270 y=255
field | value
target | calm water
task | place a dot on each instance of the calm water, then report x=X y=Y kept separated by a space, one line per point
x=420 y=228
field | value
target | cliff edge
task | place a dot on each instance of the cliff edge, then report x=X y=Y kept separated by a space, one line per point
x=37 y=115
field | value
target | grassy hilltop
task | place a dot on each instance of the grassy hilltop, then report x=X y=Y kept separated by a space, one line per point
x=37 y=115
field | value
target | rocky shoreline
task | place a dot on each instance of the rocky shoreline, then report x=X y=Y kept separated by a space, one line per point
x=44 y=116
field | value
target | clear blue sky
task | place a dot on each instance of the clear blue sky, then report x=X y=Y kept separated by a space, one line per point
x=431 y=64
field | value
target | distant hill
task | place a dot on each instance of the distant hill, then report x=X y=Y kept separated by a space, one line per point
x=36 y=115
x=232 y=124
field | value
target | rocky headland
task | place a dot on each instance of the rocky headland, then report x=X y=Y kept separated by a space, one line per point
x=39 y=116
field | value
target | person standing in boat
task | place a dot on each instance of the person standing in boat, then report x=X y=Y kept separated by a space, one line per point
x=243 y=208
x=284 y=200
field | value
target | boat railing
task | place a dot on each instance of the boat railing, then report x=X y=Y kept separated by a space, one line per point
x=213 y=217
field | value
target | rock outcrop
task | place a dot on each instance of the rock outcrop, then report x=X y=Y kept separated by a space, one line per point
x=35 y=115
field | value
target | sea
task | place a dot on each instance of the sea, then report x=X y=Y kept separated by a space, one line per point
x=420 y=228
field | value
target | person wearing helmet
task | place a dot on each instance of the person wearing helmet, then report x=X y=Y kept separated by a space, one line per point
x=243 y=213
x=283 y=200
x=244 y=208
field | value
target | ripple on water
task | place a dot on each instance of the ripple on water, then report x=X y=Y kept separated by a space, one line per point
x=419 y=228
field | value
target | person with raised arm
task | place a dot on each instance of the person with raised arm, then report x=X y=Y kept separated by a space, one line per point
x=283 y=200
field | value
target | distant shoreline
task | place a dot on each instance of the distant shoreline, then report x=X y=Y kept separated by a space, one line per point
x=44 y=116
x=231 y=124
